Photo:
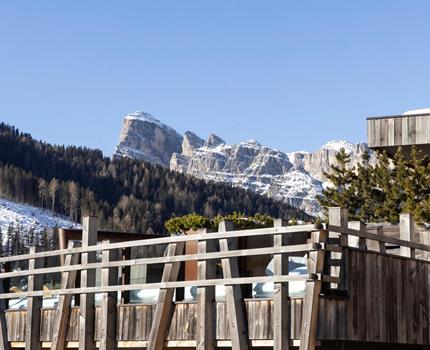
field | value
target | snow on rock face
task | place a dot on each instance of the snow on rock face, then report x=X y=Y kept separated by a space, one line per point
x=296 y=178
x=28 y=217
x=146 y=138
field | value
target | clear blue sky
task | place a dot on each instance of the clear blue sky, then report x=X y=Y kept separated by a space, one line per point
x=292 y=74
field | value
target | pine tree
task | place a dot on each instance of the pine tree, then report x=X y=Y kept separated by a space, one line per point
x=340 y=192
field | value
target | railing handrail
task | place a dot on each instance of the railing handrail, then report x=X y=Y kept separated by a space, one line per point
x=379 y=238
x=299 y=248
x=166 y=240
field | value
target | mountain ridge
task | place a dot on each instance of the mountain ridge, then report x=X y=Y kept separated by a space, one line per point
x=296 y=178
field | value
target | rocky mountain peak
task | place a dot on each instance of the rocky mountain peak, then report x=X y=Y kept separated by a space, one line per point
x=145 y=137
x=190 y=143
x=296 y=177
x=213 y=141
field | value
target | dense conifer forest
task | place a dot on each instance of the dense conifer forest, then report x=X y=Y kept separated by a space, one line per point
x=125 y=194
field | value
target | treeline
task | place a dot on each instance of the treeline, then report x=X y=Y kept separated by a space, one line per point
x=381 y=191
x=17 y=239
x=125 y=194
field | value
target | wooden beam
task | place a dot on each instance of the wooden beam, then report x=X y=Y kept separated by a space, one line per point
x=206 y=319
x=88 y=279
x=61 y=320
x=34 y=304
x=233 y=293
x=108 y=311
x=407 y=233
x=308 y=336
x=164 y=309
x=4 y=344
x=381 y=245
x=281 y=316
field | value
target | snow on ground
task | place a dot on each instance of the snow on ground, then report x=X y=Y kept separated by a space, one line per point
x=28 y=216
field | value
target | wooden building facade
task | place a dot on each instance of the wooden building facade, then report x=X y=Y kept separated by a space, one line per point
x=390 y=132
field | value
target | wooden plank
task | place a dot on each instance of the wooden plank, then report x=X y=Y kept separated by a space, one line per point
x=406 y=233
x=281 y=319
x=125 y=274
x=233 y=294
x=108 y=309
x=34 y=305
x=405 y=131
x=386 y=239
x=88 y=279
x=164 y=308
x=206 y=318
x=398 y=131
x=391 y=131
x=308 y=337
x=4 y=344
x=61 y=319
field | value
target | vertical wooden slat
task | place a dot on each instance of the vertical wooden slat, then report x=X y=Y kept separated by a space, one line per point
x=4 y=344
x=34 y=304
x=406 y=233
x=233 y=294
x=308 y=336
x=206 y=269
x=61 y=319
x=164 y=309
x=338 y=217
x=88 y=279
x=281 y=317
x=108 y=313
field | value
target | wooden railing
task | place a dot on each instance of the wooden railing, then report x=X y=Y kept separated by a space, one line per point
x=323 y=247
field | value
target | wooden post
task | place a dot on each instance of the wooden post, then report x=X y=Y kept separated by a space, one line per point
x=206 y=328
x=308 y=336
x=281 y=317
x=88 y=279
x=108 y=312
x=407 y=233
x=425 y=239
x=4 y=344
x=164 y=309
x=338 y=217
x=233 y=294
x=34 y=304
x=61 y=319
x=62 y=243
x=125 y=275
x=380 y=232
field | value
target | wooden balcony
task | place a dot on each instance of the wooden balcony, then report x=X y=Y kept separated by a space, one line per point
x=363 y=289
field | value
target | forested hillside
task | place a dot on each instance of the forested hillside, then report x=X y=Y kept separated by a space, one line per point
x=125 y=194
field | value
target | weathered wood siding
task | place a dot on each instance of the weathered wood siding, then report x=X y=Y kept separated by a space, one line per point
x=388 y=301
x=398 y=131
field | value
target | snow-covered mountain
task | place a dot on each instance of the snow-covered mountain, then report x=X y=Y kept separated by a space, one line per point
x=27 y=217
x=295 y=177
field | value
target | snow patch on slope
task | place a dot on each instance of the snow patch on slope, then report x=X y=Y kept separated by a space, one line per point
x=28 y=217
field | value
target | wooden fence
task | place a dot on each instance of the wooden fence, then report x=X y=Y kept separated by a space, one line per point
x=329 y=273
